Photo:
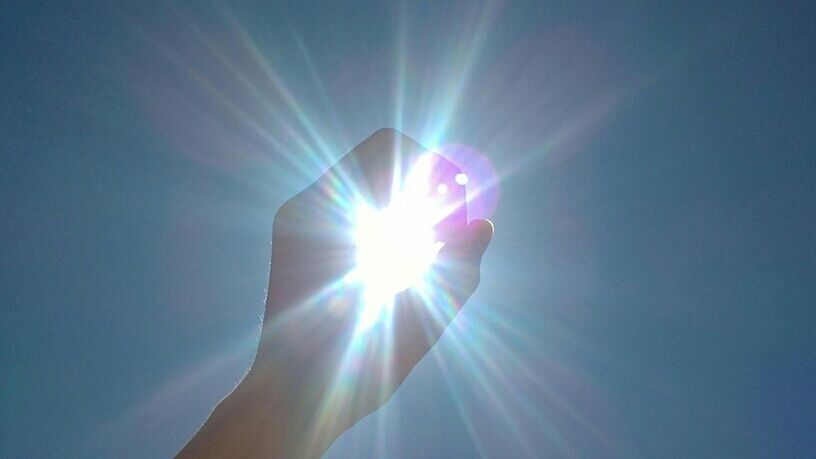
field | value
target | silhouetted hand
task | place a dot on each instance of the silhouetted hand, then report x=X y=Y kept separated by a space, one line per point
x=316 y=373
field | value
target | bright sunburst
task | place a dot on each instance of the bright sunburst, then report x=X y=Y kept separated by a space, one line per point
x=398 y=244
x=255 y=102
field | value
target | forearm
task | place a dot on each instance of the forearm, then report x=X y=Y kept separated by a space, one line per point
x=242 y=426
x=254 y=421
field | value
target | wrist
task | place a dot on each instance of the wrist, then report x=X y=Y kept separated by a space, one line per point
x=291 y=410
x=251 y=422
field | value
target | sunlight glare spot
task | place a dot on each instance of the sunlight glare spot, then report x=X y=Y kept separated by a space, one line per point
x=396 y=245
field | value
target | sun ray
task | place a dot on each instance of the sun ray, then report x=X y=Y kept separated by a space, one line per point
x=479 y=354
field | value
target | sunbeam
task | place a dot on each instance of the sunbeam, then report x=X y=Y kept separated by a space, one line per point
x=302 y=122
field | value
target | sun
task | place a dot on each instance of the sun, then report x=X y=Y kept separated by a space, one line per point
x=397 y=245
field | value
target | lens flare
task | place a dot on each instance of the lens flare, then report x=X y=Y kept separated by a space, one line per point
x=395 y=248
x=397 y=245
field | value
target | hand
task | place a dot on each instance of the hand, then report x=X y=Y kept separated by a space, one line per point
x=315 y=373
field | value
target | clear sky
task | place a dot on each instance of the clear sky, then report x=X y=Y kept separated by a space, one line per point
x=649 y=292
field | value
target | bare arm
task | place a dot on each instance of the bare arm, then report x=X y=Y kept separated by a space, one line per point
x=300 y=394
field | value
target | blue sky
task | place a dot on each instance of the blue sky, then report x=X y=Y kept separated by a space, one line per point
x=649 y=291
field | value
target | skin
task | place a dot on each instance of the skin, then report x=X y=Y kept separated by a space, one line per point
x=315 y=375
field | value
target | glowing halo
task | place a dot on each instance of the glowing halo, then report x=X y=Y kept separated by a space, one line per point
x=397 y=245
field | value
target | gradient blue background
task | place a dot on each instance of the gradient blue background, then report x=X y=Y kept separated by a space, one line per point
x=652 y=281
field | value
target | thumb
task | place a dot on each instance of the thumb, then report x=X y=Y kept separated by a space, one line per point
x=469 y=244
x=460 y=267
x=458 y=262
x=481 y=233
